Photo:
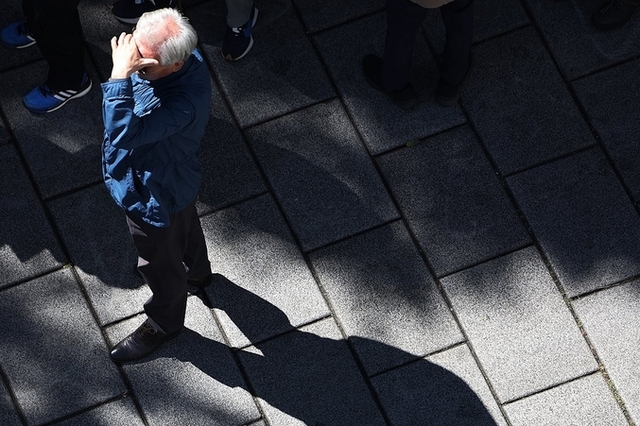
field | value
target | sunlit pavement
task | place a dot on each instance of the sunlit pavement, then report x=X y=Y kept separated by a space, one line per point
x=476 y=265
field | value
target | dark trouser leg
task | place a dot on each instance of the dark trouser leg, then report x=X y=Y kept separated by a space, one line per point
x=196 y=258
x=458 y=22
x=403 y=23
x=160 y=255
x=55 y=24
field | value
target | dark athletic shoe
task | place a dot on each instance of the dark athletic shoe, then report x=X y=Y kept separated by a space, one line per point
x=238 y=41
x=614 y=14
x=16 y=36
x=129 y=11
x=43 y=99
x=372 y=68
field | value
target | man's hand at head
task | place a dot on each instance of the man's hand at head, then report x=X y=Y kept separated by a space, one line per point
x=126 y=57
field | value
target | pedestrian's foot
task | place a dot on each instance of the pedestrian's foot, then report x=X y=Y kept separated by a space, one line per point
x=43 y=99
x=614 y=14
x=405 y=98
x=16 y=36
x=129 y=11
x=140 y=343
x=238 y=41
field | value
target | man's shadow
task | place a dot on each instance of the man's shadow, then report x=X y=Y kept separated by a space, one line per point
x=315 y=379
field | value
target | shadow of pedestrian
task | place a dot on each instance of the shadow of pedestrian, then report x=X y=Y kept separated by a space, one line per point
x=310 y=375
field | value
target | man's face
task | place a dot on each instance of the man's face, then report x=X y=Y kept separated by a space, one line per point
x=153 y=72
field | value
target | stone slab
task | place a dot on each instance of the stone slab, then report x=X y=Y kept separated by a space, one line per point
x=382 y=125
x=280 y=74
x=309 y=377
x=610 y=319
x=583 y=220
x=94 y=230
x=578 y=47
x=458 y=211
x=192 y=379
x=384 y=297
x=444 y=389
x=261 y=271
x=118 y=413
x=51 y=345
x=519 y=104
x=62 y=149
x=611 y=101
x=28 y=245
x=518 y=324
x=584 y=402
x=318 y=15
x=321 y=175
x=8 y=413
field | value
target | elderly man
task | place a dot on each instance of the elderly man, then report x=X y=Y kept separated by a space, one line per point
x=155 y=109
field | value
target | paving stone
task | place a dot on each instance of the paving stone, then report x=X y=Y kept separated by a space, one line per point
x=385 y=299
x=121 y=412
x=308 y=377
x=280 y=74
x=450 y=381
x=520 y=328
x=318 y=15
x=191 y=380
x=94 y=230
x=321 y=174
x=452 y=200
x=578 y=47
x=8 y=414
x=50 y=348
x=612 y=100
x=584 y=402
x=261 y=270
x=228 y=172
x=382 y=125
x=519 y=104
x=62 y=150
x=610 y=319
x=28 y=246
x=490 y=18
x=583 y=220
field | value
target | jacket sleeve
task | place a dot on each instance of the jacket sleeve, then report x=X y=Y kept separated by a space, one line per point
x=125 y=130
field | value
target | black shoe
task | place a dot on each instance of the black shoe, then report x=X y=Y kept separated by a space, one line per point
x=447 y=95
x=140 y=343
x=372 y=68
x=238 y=41
x=129 y=11
x=613 y=14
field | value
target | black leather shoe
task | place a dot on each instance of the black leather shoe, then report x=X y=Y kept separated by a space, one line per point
x=140 y=343
x=614 y=14
x=372 y=67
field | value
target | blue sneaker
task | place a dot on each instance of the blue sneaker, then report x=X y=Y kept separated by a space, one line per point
x=16 y=36
x=42 y=99
x=238 y=41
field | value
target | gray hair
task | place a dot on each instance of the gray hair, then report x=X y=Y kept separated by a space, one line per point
x=168 y=33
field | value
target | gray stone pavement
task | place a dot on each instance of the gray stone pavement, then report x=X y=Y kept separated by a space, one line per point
x=477 y=265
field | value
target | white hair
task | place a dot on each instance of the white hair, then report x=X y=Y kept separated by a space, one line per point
x=168 y=33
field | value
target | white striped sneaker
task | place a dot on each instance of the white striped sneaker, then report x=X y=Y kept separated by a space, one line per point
x=43 y=99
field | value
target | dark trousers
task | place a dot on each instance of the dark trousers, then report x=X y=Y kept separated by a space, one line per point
x=55 y=24
x=403 y=24
x=167 y=257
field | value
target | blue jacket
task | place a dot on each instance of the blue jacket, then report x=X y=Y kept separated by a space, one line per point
x=152 y=136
